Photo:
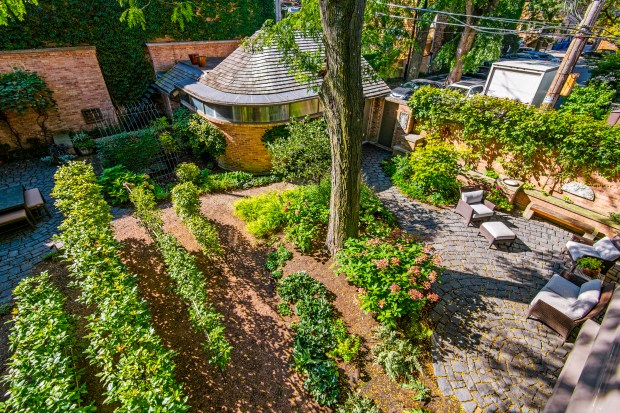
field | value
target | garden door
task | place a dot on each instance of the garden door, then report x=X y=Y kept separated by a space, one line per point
x=388 y=122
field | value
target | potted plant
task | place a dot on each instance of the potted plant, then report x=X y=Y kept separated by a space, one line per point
x=590 y=266
x=84 y=143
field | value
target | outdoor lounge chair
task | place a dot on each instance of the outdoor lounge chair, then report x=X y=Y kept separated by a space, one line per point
x=472 y=205
x=567 y=301
x=606 y=249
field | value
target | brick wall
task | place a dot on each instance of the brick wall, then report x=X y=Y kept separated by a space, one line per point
x=73 y=75
x=165 y=54
x=245 y=150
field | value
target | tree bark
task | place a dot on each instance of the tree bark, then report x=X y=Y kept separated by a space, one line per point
x=465 y=43
x=343 y=102
x=418 y=51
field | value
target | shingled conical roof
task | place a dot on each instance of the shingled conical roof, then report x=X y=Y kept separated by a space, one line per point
x=249 y=77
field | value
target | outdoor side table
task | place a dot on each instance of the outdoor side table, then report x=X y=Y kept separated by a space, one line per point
x=495 y=232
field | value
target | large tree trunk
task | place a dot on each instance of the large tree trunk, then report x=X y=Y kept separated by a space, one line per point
x=465 y=43
x=418 y=51
x=343 y=102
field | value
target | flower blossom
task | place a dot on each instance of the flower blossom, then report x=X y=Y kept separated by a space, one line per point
x=437 y=260
x=415 y=270
x=426 y=285
x=395 y=261
x=433 y=297
x=361 y=291
x=432 y=276
x=383 y=263
x=381 y=304
x=421 y=258
x=374 y=241
x=296 y=212
x=415 y=294
x=427 y=248
x=394 y=288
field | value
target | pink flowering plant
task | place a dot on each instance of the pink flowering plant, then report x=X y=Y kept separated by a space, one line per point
x=395 y=276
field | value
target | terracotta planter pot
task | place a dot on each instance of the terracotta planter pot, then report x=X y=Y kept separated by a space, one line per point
x=193 y=57
x=202 y=61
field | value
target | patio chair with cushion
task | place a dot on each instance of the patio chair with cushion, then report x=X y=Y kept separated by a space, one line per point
x=606 y=249
x=567 y=301
x=472 y=205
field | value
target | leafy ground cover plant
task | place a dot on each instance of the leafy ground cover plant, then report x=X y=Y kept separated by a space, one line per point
x=398 y=356
x=357 y=404
x=228 y=181
x=318 y=334
x=186 y=202
x=189 y=280
x=422 y=393
x=276 y=260
x=303 y=213
x=428 y=174
x=112 y=182
x=42 y=375
x=395 y=275
x=133 y=150
x=136 y=370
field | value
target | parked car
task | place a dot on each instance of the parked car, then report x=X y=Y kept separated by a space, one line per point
x=405 y=90
x=468 y=88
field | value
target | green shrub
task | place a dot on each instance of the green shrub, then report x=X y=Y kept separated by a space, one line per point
x=133 y=150
x=189 y=280
x=615 y=217
x=394 y=275
x=589 y=263
x=347 y=345
x=112 y=182
x=303 y=214
x=188 y=172
x=42 y=375
x=429 y=174
x=422 y=393
x=275 y=133
x=497 y=196
x=186 y=199
x=228 y=181
x=83 y=140
x=161 y=193
x=276 y=260
x=122 y=343
x=357 y=404
x=198 y=134
x=396 y=355
x=491 y=173
x=168 y=143
x=594 y=100
x=304 y=155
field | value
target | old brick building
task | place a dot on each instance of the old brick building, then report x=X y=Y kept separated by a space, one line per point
x=73 y=75
x=249 y=93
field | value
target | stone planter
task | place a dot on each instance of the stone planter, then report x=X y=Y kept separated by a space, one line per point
x=85 y=151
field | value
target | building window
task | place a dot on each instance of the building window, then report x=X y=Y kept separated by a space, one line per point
x=92 y=115
x=254 y=114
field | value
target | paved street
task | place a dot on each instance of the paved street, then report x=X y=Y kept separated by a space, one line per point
x=485 y=352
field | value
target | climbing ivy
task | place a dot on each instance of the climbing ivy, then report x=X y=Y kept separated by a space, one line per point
x=120 y=48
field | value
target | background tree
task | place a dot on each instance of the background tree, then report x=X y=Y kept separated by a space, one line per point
x=13 y=9
x=23 y=91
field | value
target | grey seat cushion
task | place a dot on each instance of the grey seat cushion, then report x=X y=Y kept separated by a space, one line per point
x=481 y=211
x=590 y=293
x=472 y=197
x=565 y=305
x=606 y=249
x=498 y=230
x=578 y=250
x=562 y=286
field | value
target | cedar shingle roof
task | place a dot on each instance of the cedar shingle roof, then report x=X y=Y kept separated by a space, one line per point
x=260 y=78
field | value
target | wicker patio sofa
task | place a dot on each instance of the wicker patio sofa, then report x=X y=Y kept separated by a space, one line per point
x=606 y=249
x=562 y=303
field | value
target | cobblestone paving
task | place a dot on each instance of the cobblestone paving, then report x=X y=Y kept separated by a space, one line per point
x=20 y=249
x=485 y=352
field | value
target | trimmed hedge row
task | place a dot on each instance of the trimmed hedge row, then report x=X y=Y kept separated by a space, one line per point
x=42 y=376
x=186 y=202
x=137 y=371
x=189 y=280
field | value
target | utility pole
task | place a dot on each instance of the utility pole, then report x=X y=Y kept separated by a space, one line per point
x=278 y=6
x=572 y=54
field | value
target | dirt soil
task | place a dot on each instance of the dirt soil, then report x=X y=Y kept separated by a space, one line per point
x=260 y=377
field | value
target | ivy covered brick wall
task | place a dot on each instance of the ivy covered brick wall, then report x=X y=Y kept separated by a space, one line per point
x=120 y=49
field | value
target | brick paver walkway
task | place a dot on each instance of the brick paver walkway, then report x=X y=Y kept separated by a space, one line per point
x=21 y=249
x=485 y=352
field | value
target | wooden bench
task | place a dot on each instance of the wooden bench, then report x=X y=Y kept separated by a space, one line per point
x=588 y=230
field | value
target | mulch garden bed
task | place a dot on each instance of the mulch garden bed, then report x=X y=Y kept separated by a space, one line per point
x=260 y=377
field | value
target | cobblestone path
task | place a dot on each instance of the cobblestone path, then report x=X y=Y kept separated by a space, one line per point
x=485 y=352
x=21 y=249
